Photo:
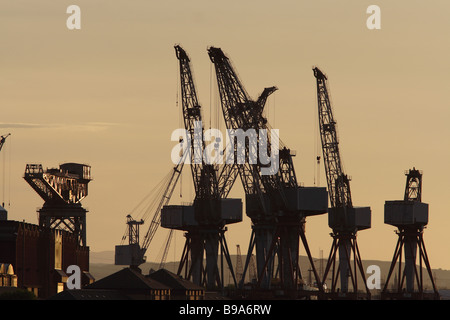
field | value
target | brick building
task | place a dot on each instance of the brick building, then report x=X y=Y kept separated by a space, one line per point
x=40 y=256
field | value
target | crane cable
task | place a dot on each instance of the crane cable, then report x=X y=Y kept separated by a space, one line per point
x=180 y=120
x=4 y=172
x=146 y=206
x=210 y=94
x=9 y=177
x=317 y=143
x=3 y=179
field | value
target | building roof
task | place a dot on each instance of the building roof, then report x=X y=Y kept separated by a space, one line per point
x=127 y=279
x=9 y=229
x=172 y=280
x=90 y=294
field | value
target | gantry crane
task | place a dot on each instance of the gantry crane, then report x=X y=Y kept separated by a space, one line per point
x=204 y=221
x=410 y=216
x=62 y=190
x=343 y=218
x=275 y=203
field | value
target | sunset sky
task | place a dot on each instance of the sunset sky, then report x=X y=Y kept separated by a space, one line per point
x=106 y=95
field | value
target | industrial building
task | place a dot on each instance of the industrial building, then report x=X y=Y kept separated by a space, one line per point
x=40 y=254
x=40 y=257
x=130 y=284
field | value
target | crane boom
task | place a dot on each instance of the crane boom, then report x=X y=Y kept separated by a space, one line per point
x=204 y=174
x=338 y=182
x=240 y=112
x=3 y=139
x=156 y=220
x=192 y=119
x=191 y=115
x=261 y=102
x=221 y=186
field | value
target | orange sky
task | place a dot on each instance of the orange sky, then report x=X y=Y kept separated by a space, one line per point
x=106 y=95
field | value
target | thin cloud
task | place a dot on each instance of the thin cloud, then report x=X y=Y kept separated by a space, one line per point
x=89 y=126
x=18 y=125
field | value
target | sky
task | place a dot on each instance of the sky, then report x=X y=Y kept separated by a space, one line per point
x=106 y=95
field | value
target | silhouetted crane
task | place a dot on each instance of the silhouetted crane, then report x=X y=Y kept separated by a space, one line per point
x=410 y=216
x=275 y=203
x=344 y=219
x=62 y=190
x=211 y=210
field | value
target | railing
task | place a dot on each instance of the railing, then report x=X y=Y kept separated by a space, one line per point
x=32 y=169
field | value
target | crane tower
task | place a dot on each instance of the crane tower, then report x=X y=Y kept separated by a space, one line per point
x=343 y=218
x=62 y=190
x=410 y=216
x=205 y=220
x=275 y=202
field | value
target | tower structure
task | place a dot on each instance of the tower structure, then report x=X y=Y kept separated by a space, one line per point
x=343 y=218
x=275 y=202
x=410 y=216
x=62 y=190
x=239 y=268
x=205 y=220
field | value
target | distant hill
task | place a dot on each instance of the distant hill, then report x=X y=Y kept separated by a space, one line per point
x=102 y=265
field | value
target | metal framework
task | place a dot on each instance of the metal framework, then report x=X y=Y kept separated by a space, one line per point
x=3 y=140
x=276 y=227
x=341 y=207
x=156 y=220
x=198 y=243
x=62 y=190
x=239 y=267
x=134 y=253
x=208 y=187
x=211 y=184
x=133 y=229
x=410 y=280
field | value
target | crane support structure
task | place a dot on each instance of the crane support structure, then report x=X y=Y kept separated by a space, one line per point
x=344 y=219
x=274 y=201
x=204 y=221
x=237 y=110
x=410 y=216
x=62 y=190
x=210 y=209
